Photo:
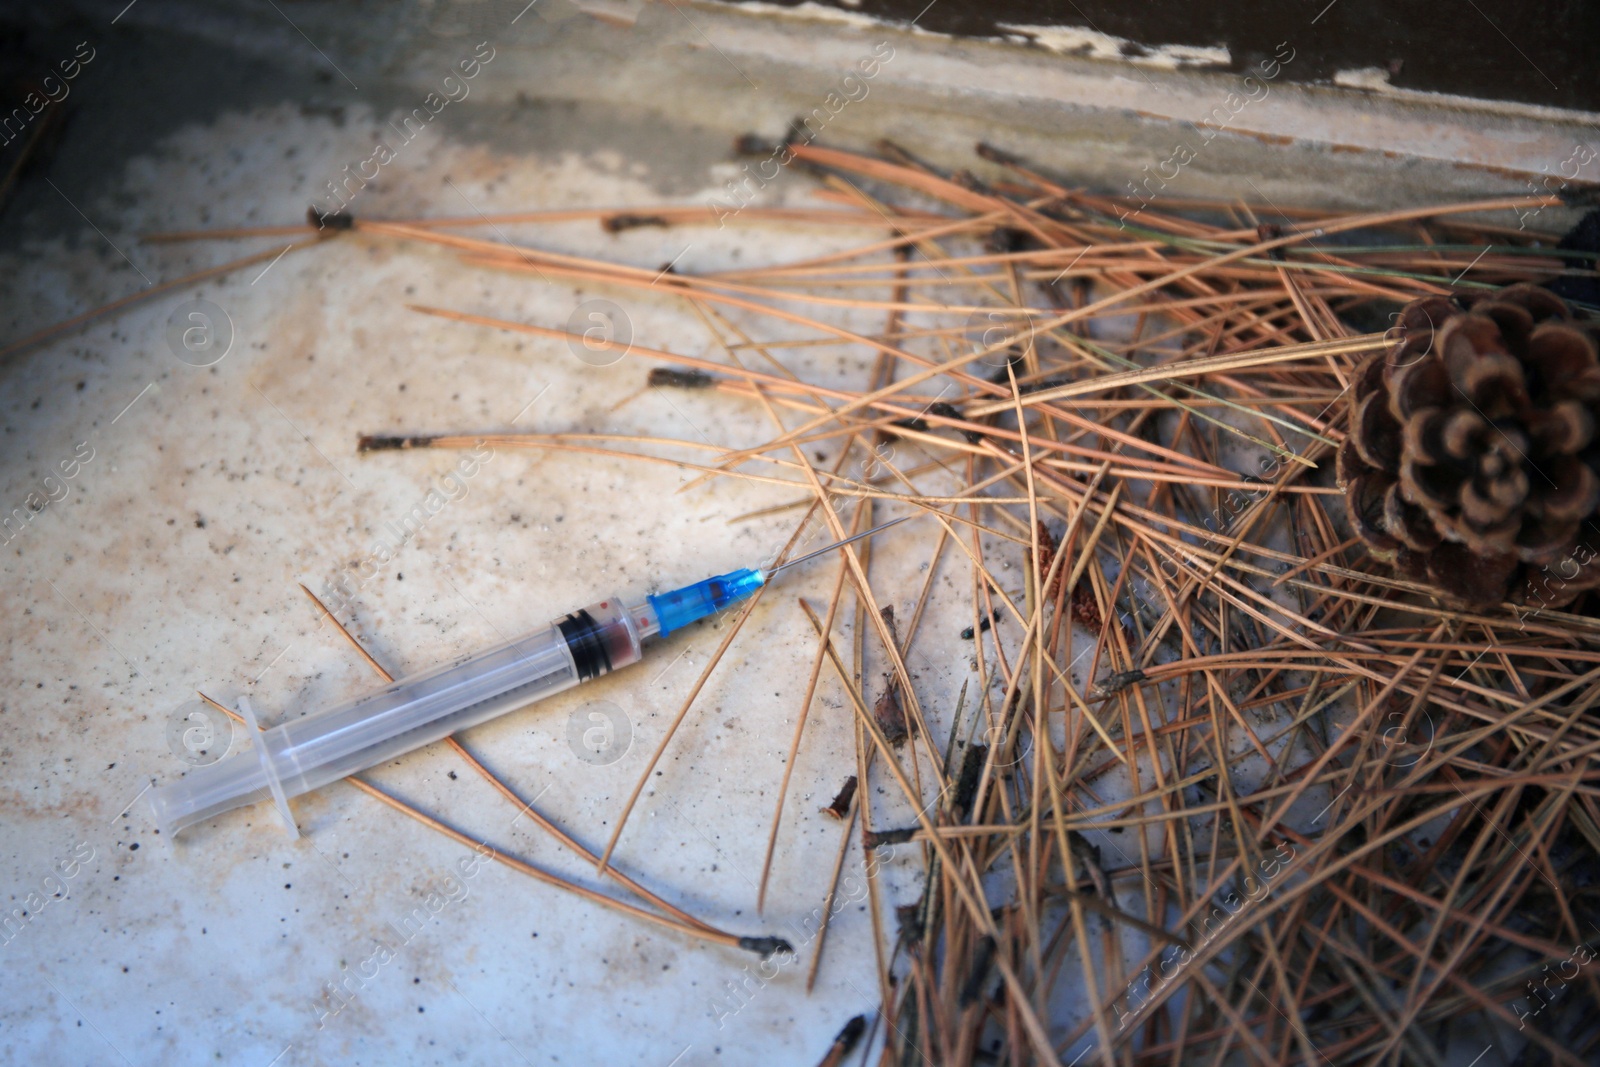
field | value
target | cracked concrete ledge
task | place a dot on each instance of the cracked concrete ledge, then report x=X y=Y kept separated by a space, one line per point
x=1099 y=122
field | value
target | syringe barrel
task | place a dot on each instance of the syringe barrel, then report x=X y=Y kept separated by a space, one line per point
x=308 y=753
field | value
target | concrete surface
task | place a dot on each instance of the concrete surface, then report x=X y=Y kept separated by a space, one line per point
x=170 y=565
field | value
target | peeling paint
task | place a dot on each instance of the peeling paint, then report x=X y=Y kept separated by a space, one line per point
x=1073 y=41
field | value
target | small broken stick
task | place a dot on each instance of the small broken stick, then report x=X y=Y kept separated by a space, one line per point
x=840 y=808
x=381 y=443
x=983 y=626
x=845 y=1042
x=679 y=379
x=624 y=221
x=766 y=946
x=967 y=784
x=871 y=839
x=889 y=712
x=1118 y=682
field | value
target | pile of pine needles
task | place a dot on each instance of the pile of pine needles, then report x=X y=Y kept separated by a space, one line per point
x=1221 y=788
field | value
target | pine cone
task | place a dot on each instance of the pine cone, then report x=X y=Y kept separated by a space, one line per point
x=1471 y=461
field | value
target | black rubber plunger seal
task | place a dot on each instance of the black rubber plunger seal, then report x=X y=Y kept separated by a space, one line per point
x=587 y=645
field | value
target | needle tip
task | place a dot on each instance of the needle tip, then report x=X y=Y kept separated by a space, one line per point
x=767 y=575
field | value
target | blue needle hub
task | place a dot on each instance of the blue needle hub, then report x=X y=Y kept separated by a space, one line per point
x=692 y=603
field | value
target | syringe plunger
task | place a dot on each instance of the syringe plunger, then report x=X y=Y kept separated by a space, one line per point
x=307 y=753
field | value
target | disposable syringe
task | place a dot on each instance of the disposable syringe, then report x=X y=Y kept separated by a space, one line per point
x=308 y=753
